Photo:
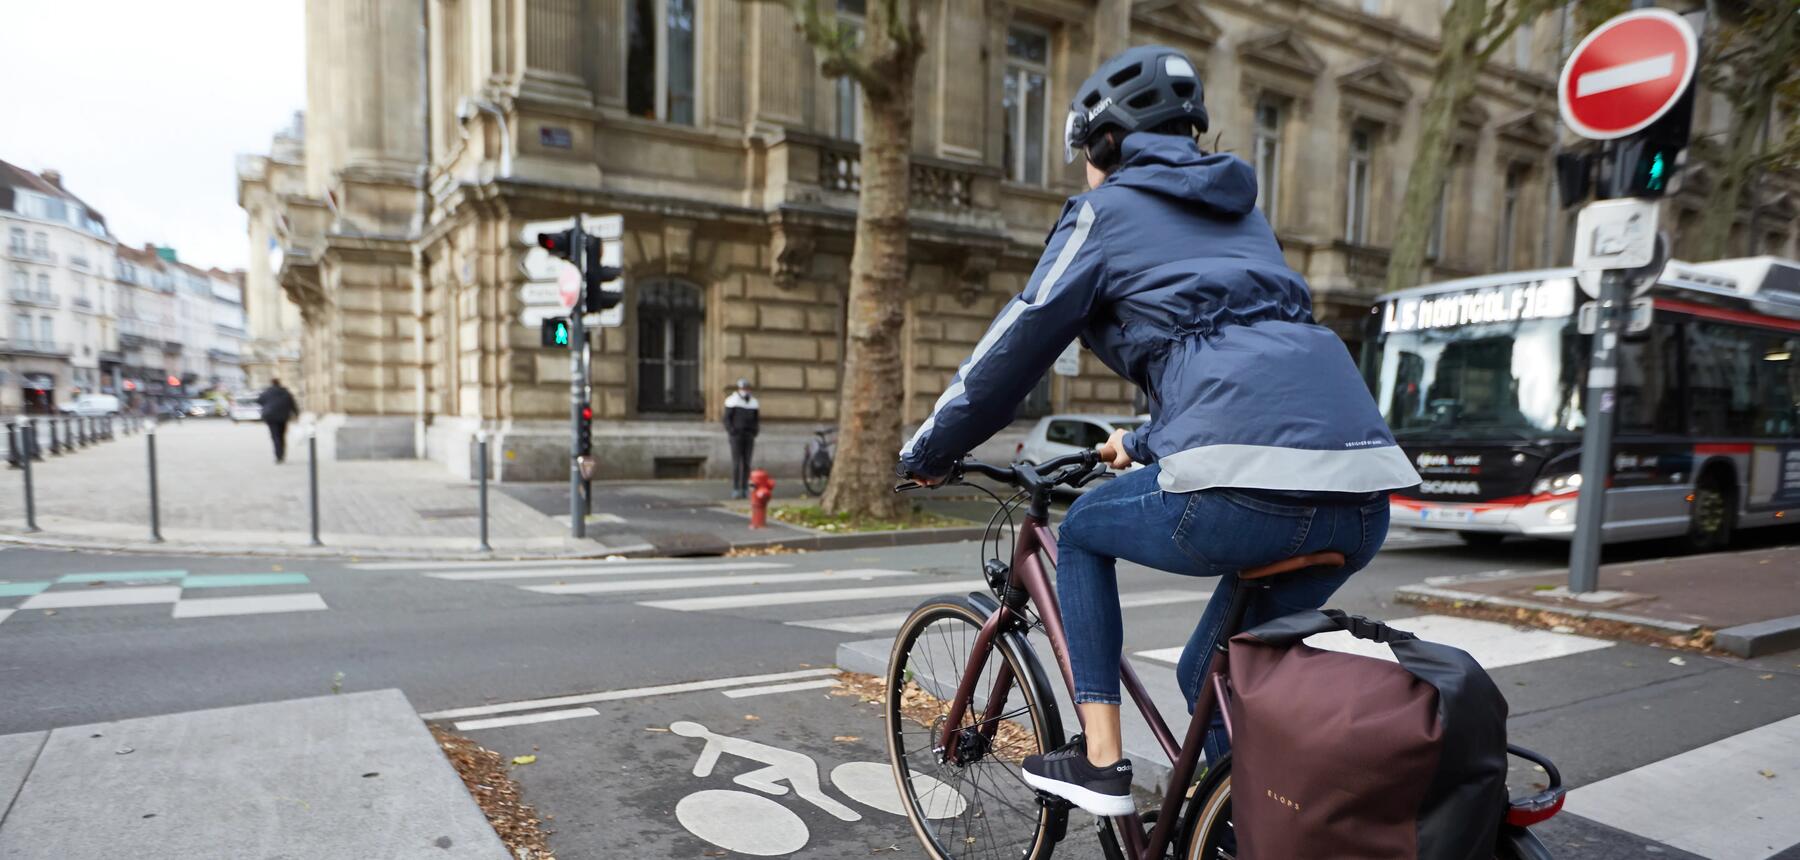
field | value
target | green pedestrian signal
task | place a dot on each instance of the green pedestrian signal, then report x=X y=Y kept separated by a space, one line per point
x=555 y=332
x=1659 y=172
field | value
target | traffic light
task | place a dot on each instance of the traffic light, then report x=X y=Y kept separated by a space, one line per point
x=554 y=332
x=562 y=246
x=585 y=434
x=1644 y=163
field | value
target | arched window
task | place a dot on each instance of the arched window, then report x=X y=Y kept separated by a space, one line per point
x=671 y=316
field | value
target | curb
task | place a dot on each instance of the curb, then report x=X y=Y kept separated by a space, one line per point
x=820 y=543
x=1760 y=638
x=1428 y=593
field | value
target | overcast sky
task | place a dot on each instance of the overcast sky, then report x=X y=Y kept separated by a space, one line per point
x=143 y=106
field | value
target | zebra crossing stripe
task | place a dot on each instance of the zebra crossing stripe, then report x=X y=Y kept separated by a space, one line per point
x=884 y=621
x=1492 y=644
x=594 y=570
x=827 y=595
x=4 y=613
x=496 y=564
x=526 y=719
x=1749 y=788
x=781 y=688
x=711 y=581
x=255 y=604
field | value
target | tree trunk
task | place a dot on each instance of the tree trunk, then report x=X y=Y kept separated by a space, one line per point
x=1451 y=87
x=862 y=474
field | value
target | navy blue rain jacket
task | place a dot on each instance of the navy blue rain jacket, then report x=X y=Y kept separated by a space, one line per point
x=1172 y=277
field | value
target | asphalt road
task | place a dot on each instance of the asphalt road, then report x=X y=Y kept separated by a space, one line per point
x=618 y=770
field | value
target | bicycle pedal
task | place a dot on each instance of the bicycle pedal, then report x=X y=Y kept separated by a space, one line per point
x=1054 y=802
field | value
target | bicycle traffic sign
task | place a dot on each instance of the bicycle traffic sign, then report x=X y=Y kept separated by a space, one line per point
x=1627 y=73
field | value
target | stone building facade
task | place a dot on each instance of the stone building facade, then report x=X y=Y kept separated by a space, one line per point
x=705 y=124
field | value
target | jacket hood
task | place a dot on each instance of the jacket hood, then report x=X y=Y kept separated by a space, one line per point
x=1174 y=166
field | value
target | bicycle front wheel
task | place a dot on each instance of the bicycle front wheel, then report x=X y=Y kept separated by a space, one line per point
x=978 y=804
x=815 y=468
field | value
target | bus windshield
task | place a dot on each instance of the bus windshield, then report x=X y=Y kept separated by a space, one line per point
x=1515 y=380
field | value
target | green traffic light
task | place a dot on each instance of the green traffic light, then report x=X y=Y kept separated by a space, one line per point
x=1659 y=170
x=562 y=334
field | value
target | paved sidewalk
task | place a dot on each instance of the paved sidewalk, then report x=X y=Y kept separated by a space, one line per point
x=349 y=776
x=1749 y=600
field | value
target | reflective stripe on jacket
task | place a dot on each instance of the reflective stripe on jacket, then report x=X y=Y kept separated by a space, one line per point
x=1172 y=277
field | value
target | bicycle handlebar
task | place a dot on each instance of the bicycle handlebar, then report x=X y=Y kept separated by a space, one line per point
x=1070 y=469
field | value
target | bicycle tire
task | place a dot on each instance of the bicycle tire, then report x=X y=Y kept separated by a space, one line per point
x=810 y=476
x=1029 y=828
x=1208 y=821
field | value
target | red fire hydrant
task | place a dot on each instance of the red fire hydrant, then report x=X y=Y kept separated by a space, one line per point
x=762 y=488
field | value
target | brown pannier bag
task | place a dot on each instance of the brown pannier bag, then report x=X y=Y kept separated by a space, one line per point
x=1344 y=757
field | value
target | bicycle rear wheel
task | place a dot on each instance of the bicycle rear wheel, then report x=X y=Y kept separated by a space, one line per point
x=815 y=469
x=978 y=807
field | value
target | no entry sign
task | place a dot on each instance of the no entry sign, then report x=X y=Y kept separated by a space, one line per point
x=1627 y=73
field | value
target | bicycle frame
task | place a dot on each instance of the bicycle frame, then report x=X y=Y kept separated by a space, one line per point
x=1028 y=580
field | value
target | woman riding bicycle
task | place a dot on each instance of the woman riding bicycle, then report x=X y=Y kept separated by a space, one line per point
x=1263 y=441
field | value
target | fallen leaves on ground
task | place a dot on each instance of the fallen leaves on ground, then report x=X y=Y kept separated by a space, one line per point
x=752 y=551
x=1012 y=741
x=846 y=739
x=1767 y=774
x=524 y=759
x=483 y=773
x=752 y=717
x=1598 y=628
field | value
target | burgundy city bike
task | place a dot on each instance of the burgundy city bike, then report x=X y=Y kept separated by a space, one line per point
x=967 y=700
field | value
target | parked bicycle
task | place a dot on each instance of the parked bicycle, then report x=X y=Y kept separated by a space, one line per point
x=968 y=700
x=815 y=467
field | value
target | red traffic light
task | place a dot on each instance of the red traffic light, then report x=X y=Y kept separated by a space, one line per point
x=558 y=244
x=587 y=413
x=174 y=381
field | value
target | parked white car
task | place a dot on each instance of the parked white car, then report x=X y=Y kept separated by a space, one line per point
x=1056 y=435
x=94 y=405
x=246 y=409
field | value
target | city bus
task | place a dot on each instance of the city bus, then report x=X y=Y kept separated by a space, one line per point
x=1484 y=382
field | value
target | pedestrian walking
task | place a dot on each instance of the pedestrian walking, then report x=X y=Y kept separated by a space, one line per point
x=742 y=421
x=278 y=408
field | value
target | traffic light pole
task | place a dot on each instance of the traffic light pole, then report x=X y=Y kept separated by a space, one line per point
x=1597 y=435
x=578 y=386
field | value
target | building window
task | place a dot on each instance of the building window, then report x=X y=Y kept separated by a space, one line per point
x=1026 y=100
x=847 y=91
x=660 y=60
x=1356 y=189
x=671 y=316
x=18 y=240
x=1267 y=151
x=46 y=331
x=1434 y=243
x=1509 y=215
x=40 y=244
x=1522 y=45
x=43 y=285
x=22 y=329
x=1373 y=7
x=21 y=281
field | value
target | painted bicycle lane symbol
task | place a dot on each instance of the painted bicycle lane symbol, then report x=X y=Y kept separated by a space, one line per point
x=753 y=824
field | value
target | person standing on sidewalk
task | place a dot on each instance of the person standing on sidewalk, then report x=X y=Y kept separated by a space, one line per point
x=278 y=408
x=742 y=421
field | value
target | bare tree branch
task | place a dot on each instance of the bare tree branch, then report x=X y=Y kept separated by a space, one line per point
x=839 y=54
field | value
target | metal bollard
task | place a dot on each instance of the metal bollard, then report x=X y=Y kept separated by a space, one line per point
x=81 y=432
x=24 y=435
x=15 y=442
x=35 y=445
x=155 y=519
x=55 y=446
x=481 y=454
x=312 y=468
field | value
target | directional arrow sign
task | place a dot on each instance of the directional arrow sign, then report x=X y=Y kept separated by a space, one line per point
x=1627 y=73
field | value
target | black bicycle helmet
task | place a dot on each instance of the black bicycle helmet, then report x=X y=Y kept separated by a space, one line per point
x=1141 y=89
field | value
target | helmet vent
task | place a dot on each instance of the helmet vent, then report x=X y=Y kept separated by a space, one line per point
x=1184 y=89
x=1125 y=74
x=1145 y=99
x=1092 y=99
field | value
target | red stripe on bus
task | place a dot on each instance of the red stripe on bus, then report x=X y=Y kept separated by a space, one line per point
x=1726 y=314
x=1723 y=448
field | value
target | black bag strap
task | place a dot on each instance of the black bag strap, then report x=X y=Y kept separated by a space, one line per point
x=1289 y=629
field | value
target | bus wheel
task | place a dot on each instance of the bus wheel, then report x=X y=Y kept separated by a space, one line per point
x=1711 y=514
x=1482 y=540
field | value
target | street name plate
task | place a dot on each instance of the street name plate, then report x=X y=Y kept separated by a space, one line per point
x=1069 y=362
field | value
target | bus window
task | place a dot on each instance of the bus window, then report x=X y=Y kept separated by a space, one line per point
x=1742 y=382
x=1650 y=381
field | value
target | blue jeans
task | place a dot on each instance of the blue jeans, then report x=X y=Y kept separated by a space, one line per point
x=1214 y=532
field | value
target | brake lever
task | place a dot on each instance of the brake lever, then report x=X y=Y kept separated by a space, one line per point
x=1098 y=471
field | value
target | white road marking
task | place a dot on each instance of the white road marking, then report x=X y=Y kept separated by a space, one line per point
x=872 y=784
x=4 y=613
x=497 y=564
x=134 y=596
x=781 y=688
x=596 y=570
x=618 y=695
x=799 y=770
x=1750 y=784
x=884 y=621
x=1493 y=645
x=828 y=595
x=713 y=581
x=742 y=822
x=1625 y=75
x=526 y=719
x=255 y=604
